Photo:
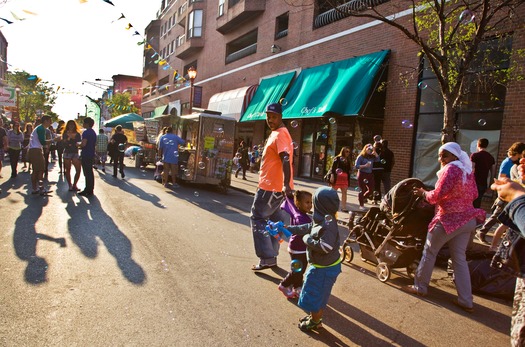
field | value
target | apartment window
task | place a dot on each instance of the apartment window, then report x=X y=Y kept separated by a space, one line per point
x=221 y=7
x=241 y=47
x=195 y=24
x=281 y=26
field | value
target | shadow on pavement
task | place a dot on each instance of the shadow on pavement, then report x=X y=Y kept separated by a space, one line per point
x=88 y=223
x=25 y=238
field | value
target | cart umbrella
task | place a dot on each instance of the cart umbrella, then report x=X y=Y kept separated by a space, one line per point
x=125 y=120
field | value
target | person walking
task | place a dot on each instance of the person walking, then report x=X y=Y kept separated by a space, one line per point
x=365 y=178
x=169 y=152
x=87 y=156
x=28 y=129
x=35 y=155
x=3 y=144
x=341 y=167
x=15 y=139
x=71 y=138
x=60 y=145
x=102 y=148
x=483 y=164
x=244 y=160
x=454 y=221
x=275 y=182
x=388 y=161
x=118 y=141
x=377 y=171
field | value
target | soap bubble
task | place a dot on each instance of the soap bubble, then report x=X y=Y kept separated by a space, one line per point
x=296 y=265
x=176 y=153
x=328 y=218
x=196 y=194
x=121 y=147
x=286 y=158
x=324 y=136
x=338 y=171
x=295 y=145
x=294 y=123
x=187 y=173
x=317 y=170
x=383 y=161
x=467 y=16
x=422 y=85
x=332 y=120
x=357 y=189
x=202 y=165
x=365 y=181
x=482 y=122
x=407 y=124
x=283 y=102
x=220 y=130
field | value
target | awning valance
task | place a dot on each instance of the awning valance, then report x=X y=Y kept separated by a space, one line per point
x=341 y=87
x=159 y=111
x=270 y=90
x=232 y=102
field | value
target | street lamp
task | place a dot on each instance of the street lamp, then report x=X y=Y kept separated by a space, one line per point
x=192 y=73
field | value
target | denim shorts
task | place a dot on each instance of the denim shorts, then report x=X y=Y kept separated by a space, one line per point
x=71 y=155
x=317 y=287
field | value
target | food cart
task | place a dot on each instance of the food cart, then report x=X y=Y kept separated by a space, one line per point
x=207 y=158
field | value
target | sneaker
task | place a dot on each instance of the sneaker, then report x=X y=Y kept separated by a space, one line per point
x=310 y=324
x=297 y=291
x=289 y=293
x=362 y=208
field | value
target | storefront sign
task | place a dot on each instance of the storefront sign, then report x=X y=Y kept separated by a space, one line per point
x=7 y=96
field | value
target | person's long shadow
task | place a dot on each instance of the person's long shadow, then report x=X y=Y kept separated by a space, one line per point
x=130 y=188
x=25 y=238
x=88 y=223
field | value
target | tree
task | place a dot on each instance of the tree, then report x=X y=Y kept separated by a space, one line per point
x=36 y=96
x=449 y=34
x=120 y=103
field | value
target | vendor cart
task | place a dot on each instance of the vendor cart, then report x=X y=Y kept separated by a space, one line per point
x=207 y=158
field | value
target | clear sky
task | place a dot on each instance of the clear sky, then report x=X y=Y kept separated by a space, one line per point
x=66 y=42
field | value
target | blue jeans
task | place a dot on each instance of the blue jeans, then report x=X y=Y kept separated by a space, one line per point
x=457 y=242
x=266 y=206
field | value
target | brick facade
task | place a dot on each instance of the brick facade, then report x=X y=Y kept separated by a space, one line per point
x=401 y=100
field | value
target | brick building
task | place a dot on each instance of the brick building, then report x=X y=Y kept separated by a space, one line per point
x=250 y=52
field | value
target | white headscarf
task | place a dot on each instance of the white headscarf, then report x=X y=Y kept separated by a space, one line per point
x=463 y=161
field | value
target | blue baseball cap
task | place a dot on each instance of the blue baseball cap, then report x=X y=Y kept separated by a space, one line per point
x=275 y=108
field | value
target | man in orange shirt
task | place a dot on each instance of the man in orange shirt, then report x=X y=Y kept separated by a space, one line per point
x=275 y=181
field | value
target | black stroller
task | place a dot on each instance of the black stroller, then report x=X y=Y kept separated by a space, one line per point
x=393 y=234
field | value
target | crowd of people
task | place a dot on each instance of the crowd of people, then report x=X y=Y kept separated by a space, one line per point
x=76 y=148
x=314 y=244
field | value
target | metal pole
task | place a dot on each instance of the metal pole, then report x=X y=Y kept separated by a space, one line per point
x=191 y=96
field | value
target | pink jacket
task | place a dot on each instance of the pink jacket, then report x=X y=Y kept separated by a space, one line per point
x=453 y=199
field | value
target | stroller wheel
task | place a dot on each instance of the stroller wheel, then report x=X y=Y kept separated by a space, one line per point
x=383 y=272
x=348 y=252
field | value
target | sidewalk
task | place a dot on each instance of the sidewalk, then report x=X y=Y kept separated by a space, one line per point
x=249 y=186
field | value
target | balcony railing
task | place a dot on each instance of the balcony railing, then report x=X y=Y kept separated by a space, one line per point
x=241 y=53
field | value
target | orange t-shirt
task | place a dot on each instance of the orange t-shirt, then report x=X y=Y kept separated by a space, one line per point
x=271 y=176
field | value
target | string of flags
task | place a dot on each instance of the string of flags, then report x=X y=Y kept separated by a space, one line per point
x=178 y=80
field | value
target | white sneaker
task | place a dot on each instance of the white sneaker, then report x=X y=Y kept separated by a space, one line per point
x=289 y=293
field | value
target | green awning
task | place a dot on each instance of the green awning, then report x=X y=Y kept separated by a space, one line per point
x=159 y=111
x=270 y=90
x=341 y=87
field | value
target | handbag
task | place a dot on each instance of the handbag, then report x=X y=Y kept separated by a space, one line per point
x=510 y=256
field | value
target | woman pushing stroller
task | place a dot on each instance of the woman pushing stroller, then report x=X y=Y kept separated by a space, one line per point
x=454 y=221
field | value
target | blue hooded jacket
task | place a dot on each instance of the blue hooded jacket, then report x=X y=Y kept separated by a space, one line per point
x=322 y=236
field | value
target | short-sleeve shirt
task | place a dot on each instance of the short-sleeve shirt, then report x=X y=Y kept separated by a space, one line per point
x=271 y=177
x=88 y=151
x=169 y=145
x=505 y=167
x=102 y=143
x=38 y=137
x=483 y=161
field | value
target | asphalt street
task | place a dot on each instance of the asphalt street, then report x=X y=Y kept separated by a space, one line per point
x=138 y=264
